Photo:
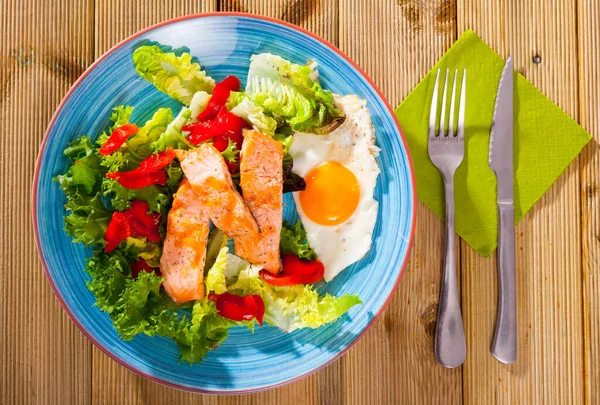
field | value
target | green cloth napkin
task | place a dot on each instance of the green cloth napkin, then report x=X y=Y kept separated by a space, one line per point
x=546 y=141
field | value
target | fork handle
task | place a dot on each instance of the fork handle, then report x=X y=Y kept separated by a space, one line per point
x=504 y=347
x=449 y=346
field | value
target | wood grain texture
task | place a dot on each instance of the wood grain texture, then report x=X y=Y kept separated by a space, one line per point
x=45 y=46
x=115 y=20
x=44 y=358
x=589 y=112
x=318 y=16
x=397 y=43
x=549 y=367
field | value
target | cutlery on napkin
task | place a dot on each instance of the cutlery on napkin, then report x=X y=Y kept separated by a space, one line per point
x=546 y=140
x=543 y=141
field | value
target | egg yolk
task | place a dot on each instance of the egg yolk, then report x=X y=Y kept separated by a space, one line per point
x=331 y=195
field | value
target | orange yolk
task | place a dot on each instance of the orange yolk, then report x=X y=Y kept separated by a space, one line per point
x=332 y=194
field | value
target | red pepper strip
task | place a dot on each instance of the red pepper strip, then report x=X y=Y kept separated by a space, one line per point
x=219 y=97
x=225 y=124
x=138 y=180
x=139 y=209
x=295 y=271
x=142 y=223
x=202 y=131
x=134 y=221
x=117 y=231
x=118 y=138
x=141 y=265
x=156 y=161
x=238 y=308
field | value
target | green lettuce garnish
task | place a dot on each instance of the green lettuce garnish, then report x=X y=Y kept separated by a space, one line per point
x=293 y=241
x=292 y=92
x=288 y=308
x=215 y=279
x=174 y=75
x=173 y=136
x=87 y=217
x=136 y=148
x=140 y=306
x=254 y=114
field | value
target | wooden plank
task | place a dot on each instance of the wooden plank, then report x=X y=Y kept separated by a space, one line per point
x=588 y=23
x=397 y=43
x=43 y=49
x=115 y=20
x=549 y=367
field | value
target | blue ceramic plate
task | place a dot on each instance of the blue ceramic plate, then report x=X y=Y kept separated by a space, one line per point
x=223 y=44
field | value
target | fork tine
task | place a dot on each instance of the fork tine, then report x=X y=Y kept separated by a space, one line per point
x=433 y=110
x=461 y=107
x=443 y=112
x=452 y=104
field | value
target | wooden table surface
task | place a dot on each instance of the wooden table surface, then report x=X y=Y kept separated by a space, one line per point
x=45 y=359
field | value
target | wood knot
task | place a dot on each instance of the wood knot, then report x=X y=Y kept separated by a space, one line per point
x=298 y=11
x=69 y=68
x=389 y=323
x=24 y=57
x=445 y=17
x=591 y=190
x=413 y=13
x=428 y=320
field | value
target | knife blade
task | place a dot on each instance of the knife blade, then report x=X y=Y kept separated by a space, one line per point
x=504 y=347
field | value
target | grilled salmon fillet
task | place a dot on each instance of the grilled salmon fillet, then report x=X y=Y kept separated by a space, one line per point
x=261 y=179
x=184 y=249
x=209 y=177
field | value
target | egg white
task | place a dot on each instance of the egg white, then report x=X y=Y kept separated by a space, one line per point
x=353 y=145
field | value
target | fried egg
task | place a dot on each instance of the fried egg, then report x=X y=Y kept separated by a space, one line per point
x=337 y=209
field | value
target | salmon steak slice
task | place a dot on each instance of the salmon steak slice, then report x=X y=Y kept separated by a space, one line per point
x=184 y=249
x=209 y=177
x=261 y=180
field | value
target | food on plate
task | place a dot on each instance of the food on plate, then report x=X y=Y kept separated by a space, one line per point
x=184 y=212
x=210 y=179
x=337 y=207
x=184 y=248
x=261 y=180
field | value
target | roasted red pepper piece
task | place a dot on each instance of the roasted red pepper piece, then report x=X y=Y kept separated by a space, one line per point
x=219 y=97
x=148 y=173
x=142 y=223
x=225 y=124
x=138 y=180
x=238 y=308
x=141 y=265
x=295 y=271
x=156 y=161
x=118 y=138
x=134 y=221
x=117 y=231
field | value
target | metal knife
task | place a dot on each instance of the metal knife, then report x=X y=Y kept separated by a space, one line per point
x=504 y=347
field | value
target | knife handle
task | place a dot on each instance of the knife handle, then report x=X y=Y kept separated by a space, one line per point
x=504 y=347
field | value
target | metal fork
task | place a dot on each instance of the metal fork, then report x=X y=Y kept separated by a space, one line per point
x=446 y=151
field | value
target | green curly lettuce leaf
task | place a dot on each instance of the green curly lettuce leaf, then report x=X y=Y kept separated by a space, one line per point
x=87 y=217
x=174 y=75
x=140 y=306
x=293 y=241
x=292 y=92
